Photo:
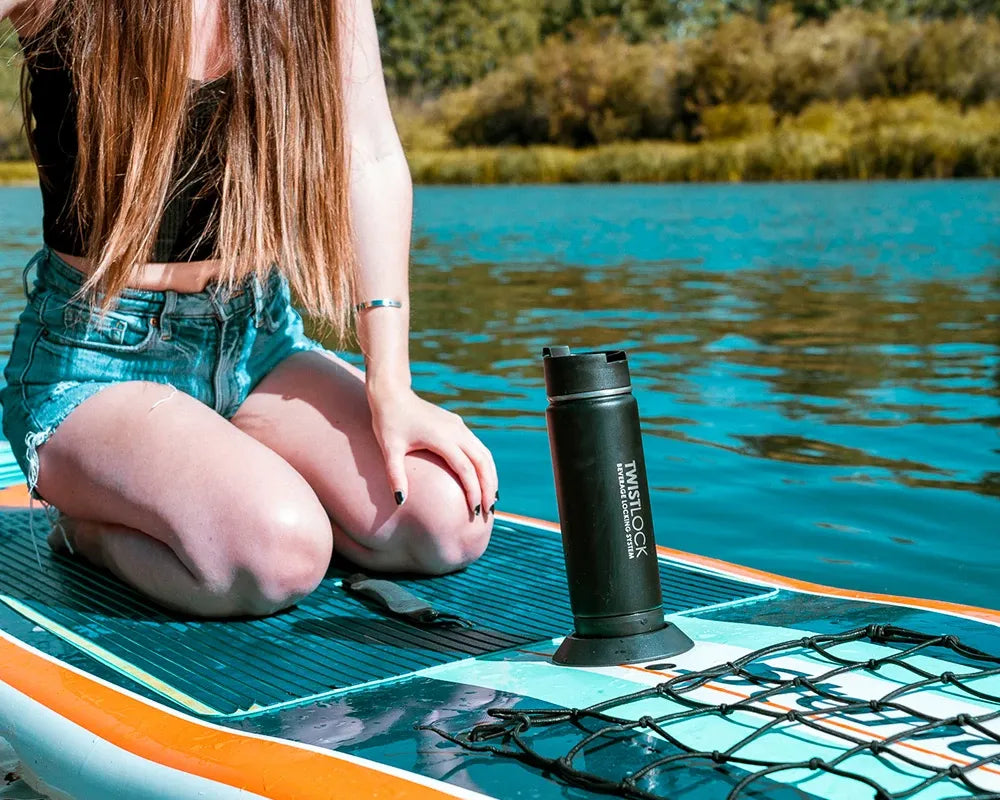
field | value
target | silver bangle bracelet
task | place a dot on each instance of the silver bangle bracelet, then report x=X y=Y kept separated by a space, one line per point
x=382 y=302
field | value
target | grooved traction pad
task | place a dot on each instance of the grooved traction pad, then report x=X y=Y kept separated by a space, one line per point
x=515 y=594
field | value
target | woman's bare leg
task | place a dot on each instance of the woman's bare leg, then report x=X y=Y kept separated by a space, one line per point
x=193 y=512
x=312 y=410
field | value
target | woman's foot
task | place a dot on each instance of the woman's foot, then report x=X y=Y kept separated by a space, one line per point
x=77 y=537
x=60 y=538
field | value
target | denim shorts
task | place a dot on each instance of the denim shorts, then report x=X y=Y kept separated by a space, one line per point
x=212 y=346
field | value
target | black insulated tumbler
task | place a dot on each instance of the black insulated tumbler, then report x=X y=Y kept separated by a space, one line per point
x=604 y=512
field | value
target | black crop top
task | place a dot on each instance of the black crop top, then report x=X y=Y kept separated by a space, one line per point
x=190 y=206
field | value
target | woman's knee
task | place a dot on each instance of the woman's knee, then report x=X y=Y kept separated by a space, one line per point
x=441 y=533
x=275 y=556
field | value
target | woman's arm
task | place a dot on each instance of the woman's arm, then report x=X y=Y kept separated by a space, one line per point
x=9 y=8
x=25 y=14
x=381 y=203
x=381 y=197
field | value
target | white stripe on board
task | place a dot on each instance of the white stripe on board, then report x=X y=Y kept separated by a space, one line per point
x=109 y=659
x=26 y=747
x=67 y=762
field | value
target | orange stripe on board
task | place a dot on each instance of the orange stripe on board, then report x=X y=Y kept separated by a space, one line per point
x=15 y=496
x=781 y=582
x=266 y=767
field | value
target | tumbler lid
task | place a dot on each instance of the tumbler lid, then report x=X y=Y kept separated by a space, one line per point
x=577 y=376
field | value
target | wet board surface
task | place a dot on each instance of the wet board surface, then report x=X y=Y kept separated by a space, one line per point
x=100 y=692
x=331 y=641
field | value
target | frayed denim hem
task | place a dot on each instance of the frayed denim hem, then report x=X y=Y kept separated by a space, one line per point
x=28 y=459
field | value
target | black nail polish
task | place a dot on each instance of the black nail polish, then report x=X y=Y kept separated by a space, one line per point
x=400 y=497
x=477 y=509
x=493 y=508
x=497 y=498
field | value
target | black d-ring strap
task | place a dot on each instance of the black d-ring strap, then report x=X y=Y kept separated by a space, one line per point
x=403 y=603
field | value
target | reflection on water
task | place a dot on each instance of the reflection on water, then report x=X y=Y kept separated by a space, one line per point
x=816 y=365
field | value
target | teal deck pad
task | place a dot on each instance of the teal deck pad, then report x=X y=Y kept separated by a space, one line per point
x=515 y=594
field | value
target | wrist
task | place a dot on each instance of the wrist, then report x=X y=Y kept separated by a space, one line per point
x=384 y=383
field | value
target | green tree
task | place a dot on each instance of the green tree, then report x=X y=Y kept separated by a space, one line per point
x=430 y=45
x=13 y=144
x=639 y=20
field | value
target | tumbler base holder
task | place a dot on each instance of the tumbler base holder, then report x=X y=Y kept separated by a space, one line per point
x=607 y=651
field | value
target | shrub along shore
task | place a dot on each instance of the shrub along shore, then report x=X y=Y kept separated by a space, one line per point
x=915 y=137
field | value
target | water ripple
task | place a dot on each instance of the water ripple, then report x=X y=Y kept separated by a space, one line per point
x=818 y=366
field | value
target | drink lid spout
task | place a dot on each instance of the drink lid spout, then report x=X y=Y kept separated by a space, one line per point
x=571 y=376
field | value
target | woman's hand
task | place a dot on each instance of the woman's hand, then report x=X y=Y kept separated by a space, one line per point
x=381 y=211
x=403 y=423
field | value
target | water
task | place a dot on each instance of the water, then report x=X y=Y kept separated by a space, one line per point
x=816 y=365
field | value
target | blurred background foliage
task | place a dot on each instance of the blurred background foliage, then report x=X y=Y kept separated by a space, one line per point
x=430 y=45
x=674 y=89
x=12 y=142
x=594 y=87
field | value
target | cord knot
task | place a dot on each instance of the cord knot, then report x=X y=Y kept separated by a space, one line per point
x=875 y=631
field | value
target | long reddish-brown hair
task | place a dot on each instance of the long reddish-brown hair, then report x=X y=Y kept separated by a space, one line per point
x=282 y=166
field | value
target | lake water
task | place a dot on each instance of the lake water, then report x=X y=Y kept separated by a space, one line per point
x=816 y=365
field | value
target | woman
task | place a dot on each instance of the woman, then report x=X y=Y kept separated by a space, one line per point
x=161 y=392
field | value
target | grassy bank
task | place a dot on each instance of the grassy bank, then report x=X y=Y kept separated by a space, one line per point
x=917 y=137
x=792 y=159
x=914 y=137
x=17 y=173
